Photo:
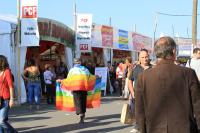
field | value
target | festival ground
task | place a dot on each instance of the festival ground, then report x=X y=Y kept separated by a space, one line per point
x=105 y=119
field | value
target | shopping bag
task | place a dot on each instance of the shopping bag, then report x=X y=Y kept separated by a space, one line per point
x=127 y=114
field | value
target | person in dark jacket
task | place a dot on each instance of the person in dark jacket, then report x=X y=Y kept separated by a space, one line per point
x=167 y=95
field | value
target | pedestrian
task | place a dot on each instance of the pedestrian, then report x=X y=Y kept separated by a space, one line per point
x=32 y=76
x=194 y=62
x=48 y=79
x=61 y=70
x=6 y=95
x=77 y=81
x=119 y=76
x=128 y=64
x=133 y=72
x=167 y=95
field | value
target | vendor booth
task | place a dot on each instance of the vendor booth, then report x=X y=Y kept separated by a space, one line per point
x=56 y=46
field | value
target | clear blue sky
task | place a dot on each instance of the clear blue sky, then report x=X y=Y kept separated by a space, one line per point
x=125 y=14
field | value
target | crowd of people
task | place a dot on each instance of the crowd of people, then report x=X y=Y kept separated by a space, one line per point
x=165 y=84
x=166 y=94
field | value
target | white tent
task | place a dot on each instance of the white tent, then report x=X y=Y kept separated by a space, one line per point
x=9 y=48
x=7 y=30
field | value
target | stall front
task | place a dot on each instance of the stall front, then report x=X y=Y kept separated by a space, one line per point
x=56 y=45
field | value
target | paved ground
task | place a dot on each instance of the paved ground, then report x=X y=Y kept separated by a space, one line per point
x=105 y=119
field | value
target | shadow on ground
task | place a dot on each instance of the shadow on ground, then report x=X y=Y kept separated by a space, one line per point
x=94 y=122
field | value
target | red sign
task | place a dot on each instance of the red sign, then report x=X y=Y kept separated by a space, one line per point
x=85 y=20
x=107 y=36
x=29 y=12
x=83 y=46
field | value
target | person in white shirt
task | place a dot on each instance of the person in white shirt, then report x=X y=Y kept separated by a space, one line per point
x=119 y=76
x=48 y=78
x=194 y=62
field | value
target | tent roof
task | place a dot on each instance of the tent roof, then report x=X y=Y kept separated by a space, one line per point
x=8 y=18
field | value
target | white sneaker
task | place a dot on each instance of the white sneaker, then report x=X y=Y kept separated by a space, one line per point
x=135 y=128
x=134 y=131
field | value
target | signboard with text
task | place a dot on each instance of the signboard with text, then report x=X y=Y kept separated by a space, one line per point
x=107 y=36
x=141 y=42
x=83 y=32
x=29 y=25
x=102 y=72
x=123 y=39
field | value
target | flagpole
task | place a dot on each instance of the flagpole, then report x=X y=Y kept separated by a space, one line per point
x=18 y=50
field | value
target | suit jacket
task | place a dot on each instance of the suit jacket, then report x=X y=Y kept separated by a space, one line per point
x=167 y=99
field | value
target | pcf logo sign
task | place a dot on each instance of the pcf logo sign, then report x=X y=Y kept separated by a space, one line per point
x=83 y=46
x=29 y=12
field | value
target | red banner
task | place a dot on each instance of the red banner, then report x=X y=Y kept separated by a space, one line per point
x=107 y=36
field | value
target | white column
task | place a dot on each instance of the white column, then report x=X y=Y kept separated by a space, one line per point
x=23 y=95
x=69 y=57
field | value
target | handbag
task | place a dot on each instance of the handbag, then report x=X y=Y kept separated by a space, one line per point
x=127 y=114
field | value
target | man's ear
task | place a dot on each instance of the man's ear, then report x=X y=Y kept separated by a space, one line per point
x=174 y=53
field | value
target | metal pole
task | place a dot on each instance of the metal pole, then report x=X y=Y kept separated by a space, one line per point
x=135 y=28
x=18 y=49
x=110 y=24
x=194 y=22
x=187 y=33
x=154 y=35
x=155 y=28
x=75 y=30
x=173 y=30
x=110 y=21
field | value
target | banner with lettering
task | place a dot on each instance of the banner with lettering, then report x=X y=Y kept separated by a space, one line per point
x=83 y=32
x=123 y=39
x=140 y=41
x=96 y=36
x=29 y=24
x=107 y=36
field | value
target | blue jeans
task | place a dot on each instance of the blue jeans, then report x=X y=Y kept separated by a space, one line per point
x=5 y=127
x=34 y=92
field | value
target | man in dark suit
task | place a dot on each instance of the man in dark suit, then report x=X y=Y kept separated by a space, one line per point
x=167 y=95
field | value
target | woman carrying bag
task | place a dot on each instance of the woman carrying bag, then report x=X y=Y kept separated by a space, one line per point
x=6 y=95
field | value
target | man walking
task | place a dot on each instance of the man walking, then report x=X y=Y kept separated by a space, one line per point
x=167 y=95
x=143 y=64
x=79 y=80
x=194 y=62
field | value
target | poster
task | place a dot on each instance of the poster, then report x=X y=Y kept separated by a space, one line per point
x=102 y=72
x=29 y=25
x=141 y=42
x=83 y=32
x=96 y=36
x=107 y=36
x=123 y=39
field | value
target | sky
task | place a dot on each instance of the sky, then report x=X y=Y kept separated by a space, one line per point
x=130 y=15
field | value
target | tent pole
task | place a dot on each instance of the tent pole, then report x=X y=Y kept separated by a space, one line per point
x=18 y=50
